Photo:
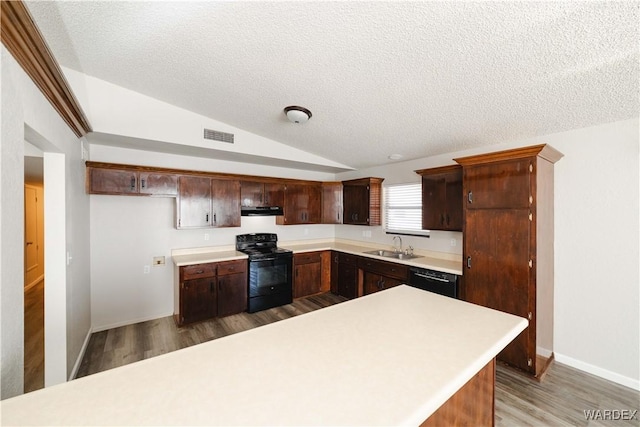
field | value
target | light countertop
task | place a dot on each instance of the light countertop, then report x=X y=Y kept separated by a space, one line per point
x=389 y=358
x=183 y=257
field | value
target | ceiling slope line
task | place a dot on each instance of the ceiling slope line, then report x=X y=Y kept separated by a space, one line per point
x=23 y=40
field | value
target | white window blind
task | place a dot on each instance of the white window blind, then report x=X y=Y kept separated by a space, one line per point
x=403 y=209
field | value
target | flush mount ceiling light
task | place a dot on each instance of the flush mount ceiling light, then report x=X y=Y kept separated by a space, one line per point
x=395 y=156
x=297 y=114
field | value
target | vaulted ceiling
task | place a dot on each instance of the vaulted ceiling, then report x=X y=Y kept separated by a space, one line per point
x=381 y=78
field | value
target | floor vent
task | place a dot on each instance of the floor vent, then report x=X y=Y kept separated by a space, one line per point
x=215 y=135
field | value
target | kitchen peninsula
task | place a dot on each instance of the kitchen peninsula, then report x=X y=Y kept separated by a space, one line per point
x=390 y=358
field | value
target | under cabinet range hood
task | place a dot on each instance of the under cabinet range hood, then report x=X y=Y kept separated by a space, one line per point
x=261 y=210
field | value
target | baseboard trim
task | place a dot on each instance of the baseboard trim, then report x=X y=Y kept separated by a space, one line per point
x=76 y=366
x=599 y=372
x=130 y=322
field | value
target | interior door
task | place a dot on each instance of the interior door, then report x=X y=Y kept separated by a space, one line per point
x=497 y=272
x=30 y=234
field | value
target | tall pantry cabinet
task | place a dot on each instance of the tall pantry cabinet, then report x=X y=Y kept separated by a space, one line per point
x=508 y=245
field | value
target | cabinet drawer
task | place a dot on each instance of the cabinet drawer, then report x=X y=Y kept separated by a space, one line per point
x=306 y=258
x=347 y=258
x=197 y=271
x=388 y=269
x=231 y=267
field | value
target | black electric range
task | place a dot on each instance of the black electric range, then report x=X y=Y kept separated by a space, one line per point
x=270 y=281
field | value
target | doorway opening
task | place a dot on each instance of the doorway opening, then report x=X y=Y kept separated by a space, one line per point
x=33 y=273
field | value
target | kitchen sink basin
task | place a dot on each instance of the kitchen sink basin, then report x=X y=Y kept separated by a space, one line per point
x=391 y=254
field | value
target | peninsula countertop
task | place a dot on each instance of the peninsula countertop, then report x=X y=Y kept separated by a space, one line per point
x=389 y=358
x=426 y=260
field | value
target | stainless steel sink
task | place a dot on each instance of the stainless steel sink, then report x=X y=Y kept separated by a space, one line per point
x=407 y=256
x=391 y=254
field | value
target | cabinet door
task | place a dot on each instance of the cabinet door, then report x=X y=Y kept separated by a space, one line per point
x=273 y=194
x=301 y=204
x=335 y=264
x=497 y=272
x=113 y=181
x=198 y=300
x=498 y=185
x=348 y=280
x=373 y=282
x=434 y=197
x=158 y=184
x=251 y=193
x=306 y=279
x=356 y=204
x=454 y=202
x=225 y=203
x=194 y=202
x=232 y=294
x=332 y=203
x=442 y=198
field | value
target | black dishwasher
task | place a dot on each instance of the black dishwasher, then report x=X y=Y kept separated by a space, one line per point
x=434 y=281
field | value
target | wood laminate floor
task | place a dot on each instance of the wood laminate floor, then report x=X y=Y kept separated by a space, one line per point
x=34 y=337
x=560 y=400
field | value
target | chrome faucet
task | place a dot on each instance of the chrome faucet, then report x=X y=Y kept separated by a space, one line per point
x=395 y=246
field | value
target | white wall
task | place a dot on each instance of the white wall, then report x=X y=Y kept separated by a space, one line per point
x=597 y=276
x=25 y=115
x=114 y=110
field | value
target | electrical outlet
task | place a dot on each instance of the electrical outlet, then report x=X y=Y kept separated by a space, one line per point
x=206 y=236
x=147 y=269
x=453 y=242
x=158 y=260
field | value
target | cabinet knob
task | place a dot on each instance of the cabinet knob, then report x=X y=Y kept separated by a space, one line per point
x=199 y=271
x=142 y=183
x=133 y=183
x=470 y=196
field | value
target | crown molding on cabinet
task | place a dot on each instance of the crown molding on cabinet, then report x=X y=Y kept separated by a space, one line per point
x=543 y=151
x=23 y=40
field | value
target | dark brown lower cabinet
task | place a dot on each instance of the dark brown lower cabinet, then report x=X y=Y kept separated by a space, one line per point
x=198 y=300
x=347 y=275
x=307 y=274
x=380 y=275
x=373 y=282
x=211 y=290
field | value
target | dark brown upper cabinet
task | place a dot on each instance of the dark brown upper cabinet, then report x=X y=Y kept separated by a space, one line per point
x=205 y=202
x=442 y=198
x=301 y=204
x=332 y=203
x=361 y=200
x=131 y=182
x=261 y=194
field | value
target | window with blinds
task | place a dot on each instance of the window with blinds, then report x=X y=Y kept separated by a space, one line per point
x=403 y=209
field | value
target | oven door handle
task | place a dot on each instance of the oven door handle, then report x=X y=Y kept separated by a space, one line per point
x=265 y=259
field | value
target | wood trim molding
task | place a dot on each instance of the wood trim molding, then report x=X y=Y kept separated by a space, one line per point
x=439 y=170
x=23 y=40
x=544 y=151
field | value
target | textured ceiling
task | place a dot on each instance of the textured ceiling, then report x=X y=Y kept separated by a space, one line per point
x=413 y=78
